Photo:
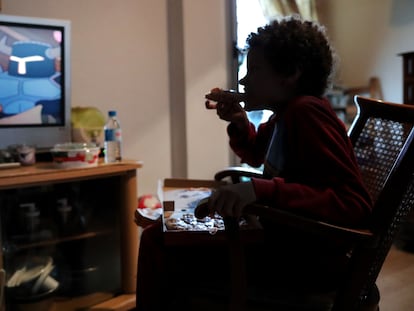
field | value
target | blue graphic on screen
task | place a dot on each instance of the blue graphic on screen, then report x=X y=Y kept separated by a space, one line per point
x=30 y=76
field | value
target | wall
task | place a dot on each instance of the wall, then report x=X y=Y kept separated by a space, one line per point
x=206 y=47
x=368 y=36
x=120 y=60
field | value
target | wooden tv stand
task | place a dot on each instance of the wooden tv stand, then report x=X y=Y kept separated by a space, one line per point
x=122 y=180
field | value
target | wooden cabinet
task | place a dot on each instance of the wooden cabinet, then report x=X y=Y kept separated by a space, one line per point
x=408 y=77
x=102 y=201
x=405 y=237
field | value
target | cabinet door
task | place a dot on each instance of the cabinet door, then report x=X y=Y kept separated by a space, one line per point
x=408 y=78
x=60 y=242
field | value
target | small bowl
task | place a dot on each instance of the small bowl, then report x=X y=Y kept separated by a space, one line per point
x=31 y=287
x=69 y=155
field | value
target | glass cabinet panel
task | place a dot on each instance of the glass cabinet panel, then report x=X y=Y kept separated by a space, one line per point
x=60 y=241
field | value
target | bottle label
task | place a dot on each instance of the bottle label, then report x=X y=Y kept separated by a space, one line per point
x=113 y=135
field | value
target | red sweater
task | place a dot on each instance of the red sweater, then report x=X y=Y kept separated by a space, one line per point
x=320 y=176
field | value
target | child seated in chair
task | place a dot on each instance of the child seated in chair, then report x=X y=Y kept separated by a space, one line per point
x=309 y=168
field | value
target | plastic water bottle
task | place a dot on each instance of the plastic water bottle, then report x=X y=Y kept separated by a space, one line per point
x=113 y=138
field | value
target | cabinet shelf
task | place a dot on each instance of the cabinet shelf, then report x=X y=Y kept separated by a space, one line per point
x=107 y=197
x=408 y=77
x=60 y=240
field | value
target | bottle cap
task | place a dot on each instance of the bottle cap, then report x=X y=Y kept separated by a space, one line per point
x=112 y=113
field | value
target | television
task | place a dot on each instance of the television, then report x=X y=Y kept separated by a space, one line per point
x=35 y=89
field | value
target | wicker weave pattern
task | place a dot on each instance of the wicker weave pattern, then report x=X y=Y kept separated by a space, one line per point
x=377 y=149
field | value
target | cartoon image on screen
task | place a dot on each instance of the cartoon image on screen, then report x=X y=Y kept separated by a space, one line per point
x=30 y=76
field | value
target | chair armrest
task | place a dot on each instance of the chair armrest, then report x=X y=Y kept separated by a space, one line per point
x=309 y=225
x=237 y=172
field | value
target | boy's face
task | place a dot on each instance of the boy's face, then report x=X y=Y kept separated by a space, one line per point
x=264 y=88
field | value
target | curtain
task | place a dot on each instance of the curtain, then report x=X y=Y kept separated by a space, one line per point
x=273 y=9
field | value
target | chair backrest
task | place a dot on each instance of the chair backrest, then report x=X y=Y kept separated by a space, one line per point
x=382 y=134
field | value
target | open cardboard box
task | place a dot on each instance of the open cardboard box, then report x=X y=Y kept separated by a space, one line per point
x=179 y=197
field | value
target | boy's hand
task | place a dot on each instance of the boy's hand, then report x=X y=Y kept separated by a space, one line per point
x=230 y=200
x=227 y=104
x=223 y=96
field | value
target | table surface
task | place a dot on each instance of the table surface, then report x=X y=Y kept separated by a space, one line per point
x=48 y=172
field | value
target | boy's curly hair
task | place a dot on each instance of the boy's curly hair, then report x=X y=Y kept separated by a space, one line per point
x=292 y=44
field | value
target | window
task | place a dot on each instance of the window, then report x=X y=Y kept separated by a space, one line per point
x=249 y=17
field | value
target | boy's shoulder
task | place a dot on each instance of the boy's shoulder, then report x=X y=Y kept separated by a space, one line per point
x=311 y=101
x=305 y=106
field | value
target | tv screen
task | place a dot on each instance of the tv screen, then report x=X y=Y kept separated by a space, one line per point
x=34 y=81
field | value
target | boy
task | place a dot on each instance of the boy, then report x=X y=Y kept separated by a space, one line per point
x=310 y=168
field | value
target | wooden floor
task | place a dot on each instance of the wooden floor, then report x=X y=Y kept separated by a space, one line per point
x=396 y=281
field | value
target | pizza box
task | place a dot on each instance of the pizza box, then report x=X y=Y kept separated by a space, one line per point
x=179 y=199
